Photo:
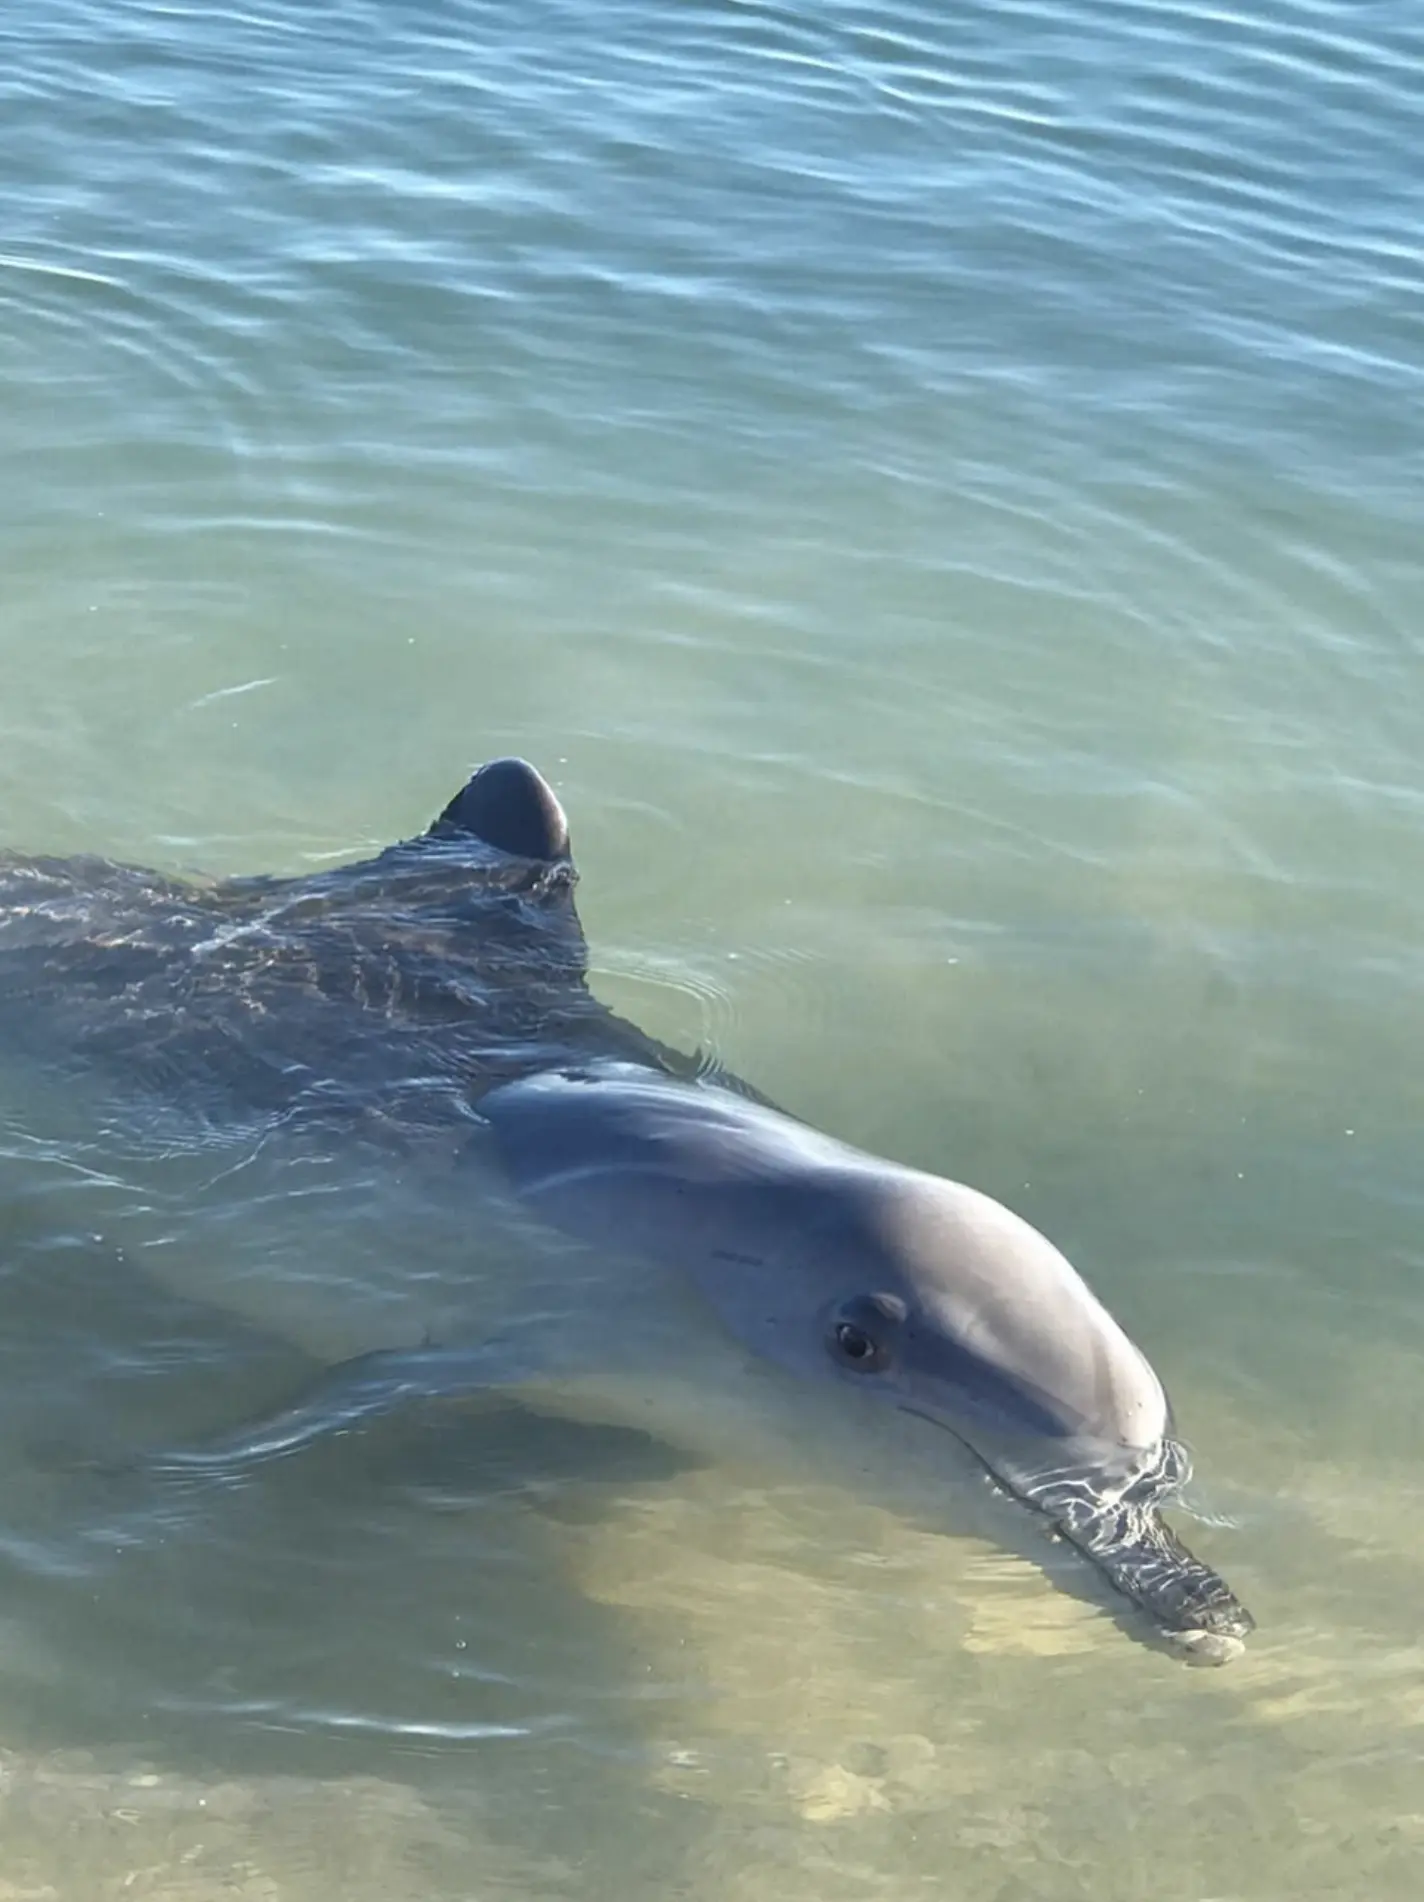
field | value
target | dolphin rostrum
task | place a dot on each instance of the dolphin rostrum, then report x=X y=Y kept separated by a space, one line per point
x=440 y=987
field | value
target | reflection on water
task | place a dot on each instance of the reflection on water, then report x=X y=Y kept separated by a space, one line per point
x=938 y=494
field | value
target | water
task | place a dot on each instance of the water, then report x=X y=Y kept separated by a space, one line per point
x=940 y=495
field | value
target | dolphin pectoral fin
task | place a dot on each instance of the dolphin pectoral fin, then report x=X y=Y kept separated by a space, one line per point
x=344 y=1397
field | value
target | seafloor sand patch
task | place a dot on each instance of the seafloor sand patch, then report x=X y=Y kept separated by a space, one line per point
x=72 y=1826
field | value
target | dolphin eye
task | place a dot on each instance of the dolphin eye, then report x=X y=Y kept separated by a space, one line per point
x=856 y=1349
x=864 y=1330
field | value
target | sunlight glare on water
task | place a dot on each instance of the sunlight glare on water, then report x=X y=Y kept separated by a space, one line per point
x=938 y=492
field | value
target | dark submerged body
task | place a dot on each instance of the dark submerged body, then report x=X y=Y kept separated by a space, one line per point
x=383 y=1000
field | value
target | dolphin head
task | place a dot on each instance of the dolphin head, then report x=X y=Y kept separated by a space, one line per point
x=912 y=1290
x=835 y=1264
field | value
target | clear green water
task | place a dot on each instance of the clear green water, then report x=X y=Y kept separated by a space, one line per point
x=940 y=494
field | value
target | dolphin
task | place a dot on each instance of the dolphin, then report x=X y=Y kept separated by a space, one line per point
x=435 y=998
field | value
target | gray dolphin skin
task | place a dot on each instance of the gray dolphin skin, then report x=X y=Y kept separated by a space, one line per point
x=442 y=987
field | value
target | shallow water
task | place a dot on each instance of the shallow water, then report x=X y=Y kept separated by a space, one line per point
x=940 y=497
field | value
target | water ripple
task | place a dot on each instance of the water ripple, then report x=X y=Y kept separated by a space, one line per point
x=944 y=483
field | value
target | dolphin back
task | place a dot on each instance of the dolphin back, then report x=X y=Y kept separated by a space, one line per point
x=387 y=992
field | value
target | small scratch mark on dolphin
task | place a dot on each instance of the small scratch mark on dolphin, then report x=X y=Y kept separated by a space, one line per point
x=229 y=693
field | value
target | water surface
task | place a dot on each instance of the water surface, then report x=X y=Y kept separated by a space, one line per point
x=940 y=496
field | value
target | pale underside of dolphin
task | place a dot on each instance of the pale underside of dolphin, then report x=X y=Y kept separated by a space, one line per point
x=437 y=995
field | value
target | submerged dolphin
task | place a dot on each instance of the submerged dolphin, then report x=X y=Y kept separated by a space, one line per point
x=441 y=986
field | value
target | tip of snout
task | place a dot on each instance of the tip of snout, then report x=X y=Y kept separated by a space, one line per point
x=1214 y=1629
x=1202 y=1648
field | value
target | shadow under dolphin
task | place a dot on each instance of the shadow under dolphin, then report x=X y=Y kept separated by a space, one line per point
x=434 y=999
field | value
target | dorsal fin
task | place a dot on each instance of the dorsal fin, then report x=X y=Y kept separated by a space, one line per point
x=512 y=807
